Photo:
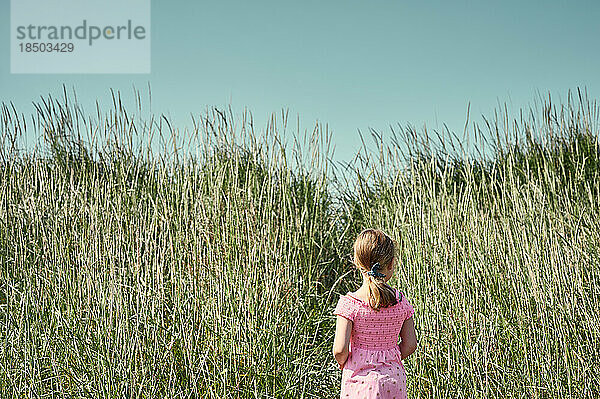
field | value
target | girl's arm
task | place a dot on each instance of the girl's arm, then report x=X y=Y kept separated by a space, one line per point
x=341 y=341
x=409 y=338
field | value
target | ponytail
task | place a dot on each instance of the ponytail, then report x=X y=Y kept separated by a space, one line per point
x=381 y=295
x=372 y=250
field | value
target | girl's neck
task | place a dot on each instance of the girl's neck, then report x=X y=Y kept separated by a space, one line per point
x=363 y=291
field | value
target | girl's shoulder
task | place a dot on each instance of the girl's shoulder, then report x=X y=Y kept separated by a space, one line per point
x=347 y=306
x=401 y=297
x=353 y=296
x=350 y=305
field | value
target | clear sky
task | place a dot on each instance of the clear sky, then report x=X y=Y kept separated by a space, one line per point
x=350 y=64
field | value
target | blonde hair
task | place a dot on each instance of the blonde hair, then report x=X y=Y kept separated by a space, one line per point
x=374 y=246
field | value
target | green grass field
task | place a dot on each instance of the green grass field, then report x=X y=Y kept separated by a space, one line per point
x=210 y=268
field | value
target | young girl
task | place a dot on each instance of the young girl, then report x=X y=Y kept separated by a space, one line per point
x=369 y=322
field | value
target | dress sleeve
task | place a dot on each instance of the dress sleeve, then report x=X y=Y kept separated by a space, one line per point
x=345 y=308
x=410 y=311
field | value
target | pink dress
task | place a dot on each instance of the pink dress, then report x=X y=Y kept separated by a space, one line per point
x=374 y=367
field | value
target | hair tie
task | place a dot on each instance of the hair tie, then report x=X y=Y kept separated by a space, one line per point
x=374 y=271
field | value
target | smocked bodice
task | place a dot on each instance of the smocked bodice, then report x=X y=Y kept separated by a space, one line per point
x=373 y=329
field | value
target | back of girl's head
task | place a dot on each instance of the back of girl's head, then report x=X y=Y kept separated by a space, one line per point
x=371 y=247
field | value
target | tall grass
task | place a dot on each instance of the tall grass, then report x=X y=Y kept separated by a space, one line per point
x=209 y=266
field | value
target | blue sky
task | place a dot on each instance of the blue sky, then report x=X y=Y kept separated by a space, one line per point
x=353 y=65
